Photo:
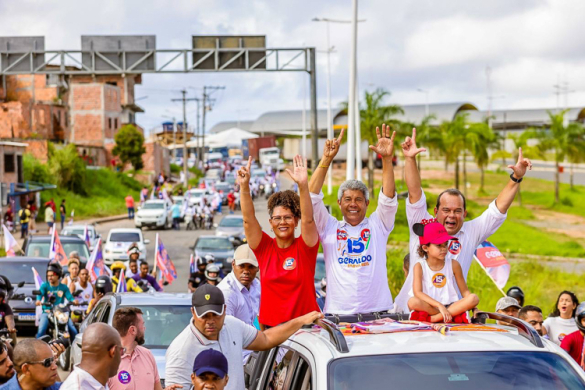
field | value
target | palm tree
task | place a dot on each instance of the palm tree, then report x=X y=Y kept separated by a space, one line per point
x=560 y=139
x=480 y=138
x=452 y=142
x=426 y=135
x=521 y=141
x=576 y=149
x=373 y=113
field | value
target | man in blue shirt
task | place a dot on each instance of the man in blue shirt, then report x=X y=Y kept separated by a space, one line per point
x=36 y=367
x=143 y=275
x=53 y=289
x=176 y=214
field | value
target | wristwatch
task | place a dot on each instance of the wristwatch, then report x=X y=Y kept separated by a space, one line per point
x=514 y=179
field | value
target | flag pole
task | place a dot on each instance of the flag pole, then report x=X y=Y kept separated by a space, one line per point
x=155 y=254
x=52 y=243
x=487 y=273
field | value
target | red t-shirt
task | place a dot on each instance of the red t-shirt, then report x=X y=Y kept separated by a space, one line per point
x=287 y=277
x=573 y=344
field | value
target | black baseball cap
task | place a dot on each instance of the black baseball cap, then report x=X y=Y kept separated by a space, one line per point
x=208 y=298
x=212 y=361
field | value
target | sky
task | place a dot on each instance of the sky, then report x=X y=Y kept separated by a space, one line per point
x=443 y=47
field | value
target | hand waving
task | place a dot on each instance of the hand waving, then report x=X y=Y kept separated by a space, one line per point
x=385 y=145
x=332 y=147
x=299 y=173
x=244 y=173
x=409 y=148
x=521 y=166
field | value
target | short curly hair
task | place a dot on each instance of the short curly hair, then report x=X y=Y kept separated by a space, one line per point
x=421 y=252
x=288 y=199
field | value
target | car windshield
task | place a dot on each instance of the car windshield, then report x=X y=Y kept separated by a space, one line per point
x=258 y=174
x=214 y=243
x=178 y=201
x=153 y=206
x=73 y=232
x=319 y=271
x=21 y=271
x=196 y=194
x=455 y=370
x=164 y=323
x=232 y=222
x=41 y=249
x=125 y=237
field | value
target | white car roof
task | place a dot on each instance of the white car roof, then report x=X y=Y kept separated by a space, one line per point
x=155 y=201
x=125 y=230
x=75 y=227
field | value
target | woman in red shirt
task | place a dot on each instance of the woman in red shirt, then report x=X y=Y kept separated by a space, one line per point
x=287 y=264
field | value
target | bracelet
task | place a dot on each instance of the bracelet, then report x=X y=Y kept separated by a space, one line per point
x=323 y=166
x=514 y=179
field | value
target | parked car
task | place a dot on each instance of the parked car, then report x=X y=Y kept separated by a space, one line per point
x=40 y=245
x=214 y=174
x=154 y=213
x=220 y=247
x=22 y=301
x=165 y=316
x=79 y=230
x=477 y=357
x=118 y=242
x=232 y=227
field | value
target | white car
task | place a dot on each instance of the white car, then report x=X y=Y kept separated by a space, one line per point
x=119 y=240
x=477 y=356
x=197 y=194
x=79 y=230
x=154 y=213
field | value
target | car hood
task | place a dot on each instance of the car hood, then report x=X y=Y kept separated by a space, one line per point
x=118 y=245
x=19 y=299
x=229 y=231
x=150 y=213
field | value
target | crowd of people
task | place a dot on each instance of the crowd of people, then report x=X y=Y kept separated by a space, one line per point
x=271 y=292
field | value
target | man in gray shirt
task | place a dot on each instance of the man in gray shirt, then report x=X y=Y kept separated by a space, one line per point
x=211 y=328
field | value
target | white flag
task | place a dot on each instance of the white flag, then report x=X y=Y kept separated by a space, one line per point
x=10 y=243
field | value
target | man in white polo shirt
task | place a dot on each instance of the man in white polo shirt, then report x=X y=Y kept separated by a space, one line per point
x=211 y=328
x=241 y=289
x=355 y=248
x=451 y=212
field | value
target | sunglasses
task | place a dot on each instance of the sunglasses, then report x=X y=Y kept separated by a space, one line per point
x=45 y=363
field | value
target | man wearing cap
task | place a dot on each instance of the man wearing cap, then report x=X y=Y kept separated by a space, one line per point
x=241 y=289
x=210 y=371
x=133 y=256
x=211 y=328
x=508 y=306
x=450 y=210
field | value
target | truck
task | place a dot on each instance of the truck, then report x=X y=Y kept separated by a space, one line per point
x=270 y=157
x=252 y=146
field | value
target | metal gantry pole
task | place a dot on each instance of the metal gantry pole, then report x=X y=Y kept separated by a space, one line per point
x=329 y=118
x=304 y=119
x=314 y=127
x=350 y=174
x=358 y=133
x=185 y=178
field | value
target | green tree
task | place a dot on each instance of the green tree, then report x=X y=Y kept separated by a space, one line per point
x=130 y=146
x=452 y=142
x=68 y=168
x=521 y=141
x=479 y=139
x=559 y=139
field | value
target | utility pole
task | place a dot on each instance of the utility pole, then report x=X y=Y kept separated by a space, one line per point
x=204 y=100
x=350 y=174
x=184 y=99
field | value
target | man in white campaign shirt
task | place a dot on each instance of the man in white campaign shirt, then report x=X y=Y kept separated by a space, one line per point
x=355 y=248
x=450 y=211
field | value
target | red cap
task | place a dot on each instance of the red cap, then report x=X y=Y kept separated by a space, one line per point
x=435 y=233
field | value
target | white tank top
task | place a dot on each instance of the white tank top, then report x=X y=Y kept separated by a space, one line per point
x=439 y=285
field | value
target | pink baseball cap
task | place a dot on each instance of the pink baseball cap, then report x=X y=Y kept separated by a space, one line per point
x=432 y=233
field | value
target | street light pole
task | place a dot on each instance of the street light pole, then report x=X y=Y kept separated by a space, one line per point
x=350 y=173
x=329 y=118
x=426 y=100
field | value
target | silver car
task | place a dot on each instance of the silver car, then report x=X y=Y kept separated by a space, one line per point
x=165 y=316
x=79 y=230
x=232 y=226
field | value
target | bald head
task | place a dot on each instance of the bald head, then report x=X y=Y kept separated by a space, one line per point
x=101 y=349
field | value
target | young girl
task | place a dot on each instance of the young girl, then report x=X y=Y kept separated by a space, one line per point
x=435 y=296
x=561 y=321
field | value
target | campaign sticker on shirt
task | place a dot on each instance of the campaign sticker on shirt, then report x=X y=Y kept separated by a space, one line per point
x=439 y=280
x=562 y=336
x=60 y=294
x=86 y=296
x=455 y=247
x=341 y=235
x=124 y=377
x=289 y=264
x=365 y=234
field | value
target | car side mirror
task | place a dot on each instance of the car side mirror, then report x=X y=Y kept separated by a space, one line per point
x=147 y=241
x=20 y=284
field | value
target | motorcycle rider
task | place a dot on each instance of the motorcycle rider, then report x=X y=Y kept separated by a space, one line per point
x=147 y=279
x=197 y=278
x=133 y=256
x=6 y=316
x=103 y=286
x=212 y=274
x=211 y=259
x=54 y=289
x=117 y=268
x=86 y=295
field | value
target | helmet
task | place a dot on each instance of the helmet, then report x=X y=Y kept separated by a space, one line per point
x=516 y=292
x=133 y=248
x=209 y=258
x=200 y=261
x=212 y=268
x=118 y=265
x=579 y=315
x=103 y=285
x=56 y=268
x=3 y=295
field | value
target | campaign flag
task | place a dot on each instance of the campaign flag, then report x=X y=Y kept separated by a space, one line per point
x=164 y=263
x=192 y=267
x=10 y=243
x=165 y=194
x=86 y=237
x=493 y=262
x=122 y=287
x=57 y=253
x=38 y=283
x=96 y=265
x=186 y=201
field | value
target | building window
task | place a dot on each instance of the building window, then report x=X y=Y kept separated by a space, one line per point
x=109 y=123
x=9 y=163
x=116 y=123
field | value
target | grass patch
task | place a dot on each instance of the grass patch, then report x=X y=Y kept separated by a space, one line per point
x=106 y=192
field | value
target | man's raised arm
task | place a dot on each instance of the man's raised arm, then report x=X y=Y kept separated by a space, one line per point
x=411 y=173
x=319 y=173
x=506 y=197
x=385 y=148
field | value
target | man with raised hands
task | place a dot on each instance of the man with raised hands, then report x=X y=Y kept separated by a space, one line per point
x=450 y=211
x=355 y=247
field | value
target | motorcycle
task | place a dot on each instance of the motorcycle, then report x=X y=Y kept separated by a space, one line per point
x=208 y=221
x=269 y=190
